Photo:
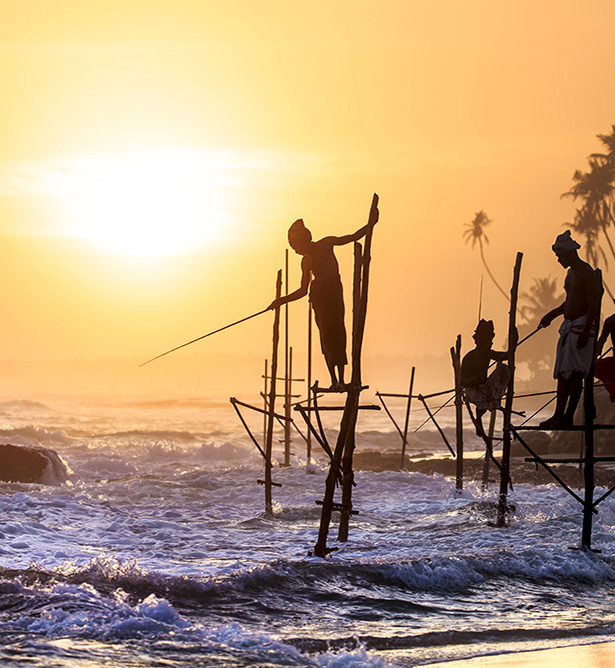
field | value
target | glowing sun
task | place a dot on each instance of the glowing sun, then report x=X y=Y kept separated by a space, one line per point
x=148 y=204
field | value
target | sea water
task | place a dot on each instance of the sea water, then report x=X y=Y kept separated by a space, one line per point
x=154 y=550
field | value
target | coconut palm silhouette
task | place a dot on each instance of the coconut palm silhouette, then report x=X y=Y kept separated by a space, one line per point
x=596 y=190
x=475 y=233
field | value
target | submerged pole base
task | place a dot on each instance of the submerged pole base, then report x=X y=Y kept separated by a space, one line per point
x=505 y=512
x=321 y=551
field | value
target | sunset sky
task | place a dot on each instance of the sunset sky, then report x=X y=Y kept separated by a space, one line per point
x=154 y=153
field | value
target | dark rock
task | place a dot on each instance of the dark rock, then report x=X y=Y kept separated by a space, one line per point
x=22 y=463
x=539 y=441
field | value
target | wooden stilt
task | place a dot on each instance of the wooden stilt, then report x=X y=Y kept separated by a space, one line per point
x=505 y=470
x=349 y=445
x=589 y=411
x=308 y=453
x=287 y=373
x=345 y=440
x=272 y=397
x=488 y=450
x=265 y=381
x=404 y=443
x=456 y=357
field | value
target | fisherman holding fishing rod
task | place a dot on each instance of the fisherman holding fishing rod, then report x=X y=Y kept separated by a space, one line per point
x=320 y=268
x=575 y=348
x=485 y=392
x=320 y=275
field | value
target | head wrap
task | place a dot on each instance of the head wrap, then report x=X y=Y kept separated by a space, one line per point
x=565 y=243
x=484 y=330
x=298 y=231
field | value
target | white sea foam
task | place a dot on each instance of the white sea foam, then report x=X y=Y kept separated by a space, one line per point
x=159 y=540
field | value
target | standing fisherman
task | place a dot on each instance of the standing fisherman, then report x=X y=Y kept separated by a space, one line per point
x=575 y=348
x=320 y=268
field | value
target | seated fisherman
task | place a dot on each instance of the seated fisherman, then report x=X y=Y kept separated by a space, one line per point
x=485 y=392
x=604 y=368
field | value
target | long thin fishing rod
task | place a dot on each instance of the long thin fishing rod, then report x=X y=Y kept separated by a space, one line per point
x=480 y=297
x=183 y=345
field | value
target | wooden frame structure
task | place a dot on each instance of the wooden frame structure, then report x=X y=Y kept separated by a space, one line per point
x=588 y=460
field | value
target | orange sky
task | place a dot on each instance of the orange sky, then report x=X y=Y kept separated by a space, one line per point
x=215 y=124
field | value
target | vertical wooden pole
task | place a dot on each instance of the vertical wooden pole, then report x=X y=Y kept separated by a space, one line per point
x=309 y=382
x=265 y=386
x=589 y=410
x=287 y=376
x=272 y=397
x=588 y=469
x=488 y=450
x=402 y=463
x=456 y=357
x=289 y=400
x=349 y=445
x=505 y=470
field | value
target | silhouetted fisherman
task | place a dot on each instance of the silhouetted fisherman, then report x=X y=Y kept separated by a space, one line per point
x=485 y=392
x=320 y=273
x=604 y=369
x=577 y=334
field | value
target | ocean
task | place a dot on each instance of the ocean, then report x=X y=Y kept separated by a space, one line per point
x=154 y=549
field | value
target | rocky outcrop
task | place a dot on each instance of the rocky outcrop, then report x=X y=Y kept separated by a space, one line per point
x=24 y=463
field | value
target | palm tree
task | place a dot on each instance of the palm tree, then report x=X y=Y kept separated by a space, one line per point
x=609 y=142
x=476 y=233
x=585 y=223
x=542 y=298
x=596 y=188
x=538 y=353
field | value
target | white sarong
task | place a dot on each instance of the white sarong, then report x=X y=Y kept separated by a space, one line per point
x=488 y=395
x=569 y=358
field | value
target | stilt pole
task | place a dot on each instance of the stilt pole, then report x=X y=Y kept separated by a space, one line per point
x=272 y=397
x=488 y=450
x=456 y=357
x=265 y=387
x=287 y=374
x=345 y=440
x=349 y=445
x=309 y=381
x=505 y=470
x=589 y=410
x=404 y=442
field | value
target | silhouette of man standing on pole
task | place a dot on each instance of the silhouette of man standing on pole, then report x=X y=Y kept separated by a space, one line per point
x=577 y=334
x=320 y=275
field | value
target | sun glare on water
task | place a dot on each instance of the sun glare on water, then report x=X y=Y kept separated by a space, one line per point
x=151 y=204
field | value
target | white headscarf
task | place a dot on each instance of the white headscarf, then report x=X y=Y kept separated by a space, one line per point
x=564 y=243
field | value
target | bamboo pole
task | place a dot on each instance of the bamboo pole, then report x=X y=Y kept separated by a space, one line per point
x=456 y=357
x=287 y=407
x=488 y=450
x=349 y=445
x=308 y=453
x=265 y=401
x=362 y=263
x=505 y=470
x=589 y=409
x=272 y=397
x=287 y=375
x=407 y=422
